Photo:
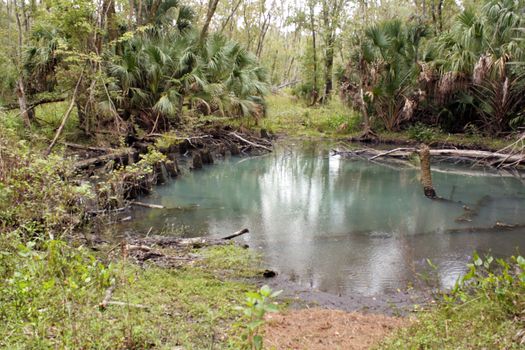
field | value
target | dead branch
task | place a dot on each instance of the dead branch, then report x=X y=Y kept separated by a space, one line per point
x=236 y=234
x=66 y=117
x=250 y=143
x=107 y=297
x=120 y=303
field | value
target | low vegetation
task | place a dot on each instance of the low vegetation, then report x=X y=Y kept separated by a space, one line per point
x=483 y=311
x=52 y=292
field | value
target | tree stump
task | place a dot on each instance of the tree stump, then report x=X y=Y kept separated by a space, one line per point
x=426 y=176
x=197 y=161
x=234 y=150
x=206 y=156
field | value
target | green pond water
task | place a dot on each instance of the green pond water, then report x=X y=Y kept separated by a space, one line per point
x=343 y=225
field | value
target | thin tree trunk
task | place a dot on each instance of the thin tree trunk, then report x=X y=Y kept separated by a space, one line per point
x=111 y=23
x=312 y=25
x=228 y=19
x=131 y=13
x=212 y=6
x=65 y=118
x=262 y=35
x=26 y=112
x=440 y=15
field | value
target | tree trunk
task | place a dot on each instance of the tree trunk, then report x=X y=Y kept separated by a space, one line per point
x=440 y=15
x=312 y=25
x=25 y=111
x=426 y=176
x=329 y=64
x=212 y=6
x=230 y=16
x=111 y=21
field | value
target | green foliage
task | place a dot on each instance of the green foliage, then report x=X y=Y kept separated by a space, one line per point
x=39 y=197
x=484 y=310
x=294 y=118
x=257 y=304
x=51 y=293
x=421 y=133
x=43 y=287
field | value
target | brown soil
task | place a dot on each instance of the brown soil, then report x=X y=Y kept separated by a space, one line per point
x=318 y=329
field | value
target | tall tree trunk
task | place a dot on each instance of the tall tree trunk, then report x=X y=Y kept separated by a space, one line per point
x=440 y=15
x=212 y=7
x=312 y=26
x=111 y=22
x=329 y=64
x=262 y=35
x=26 y=112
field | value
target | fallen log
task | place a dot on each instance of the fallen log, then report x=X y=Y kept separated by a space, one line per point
x=103 y=159
x=88 y=148
x=148 y=205
x=177 y=242
x=489 y=158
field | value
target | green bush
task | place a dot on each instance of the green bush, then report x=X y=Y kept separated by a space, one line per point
x=38 y=193
x=421 y=133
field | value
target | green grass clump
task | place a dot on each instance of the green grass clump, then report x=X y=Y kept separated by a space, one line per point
x=294 y=118
x=484 y=311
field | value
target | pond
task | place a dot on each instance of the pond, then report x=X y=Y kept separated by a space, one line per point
x=343 y=225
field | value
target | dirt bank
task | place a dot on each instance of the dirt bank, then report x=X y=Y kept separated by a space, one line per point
x=319 y=329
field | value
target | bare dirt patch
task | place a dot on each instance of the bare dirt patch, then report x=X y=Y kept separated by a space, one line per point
x=318 y=329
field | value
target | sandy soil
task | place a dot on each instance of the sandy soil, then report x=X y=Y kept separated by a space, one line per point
x=319 y=329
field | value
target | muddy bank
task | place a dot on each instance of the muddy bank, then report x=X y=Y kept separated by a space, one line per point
x=119 y=175
x=401 y=303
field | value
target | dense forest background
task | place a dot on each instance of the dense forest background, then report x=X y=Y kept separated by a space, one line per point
x=145 y=63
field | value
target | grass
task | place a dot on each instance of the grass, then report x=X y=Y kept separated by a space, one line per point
x=51 y=296
x=481 y=324
x=336 y=121
x=484 y=311
x=294 y=118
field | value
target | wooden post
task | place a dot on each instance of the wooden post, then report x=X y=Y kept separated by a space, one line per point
x=426 y=176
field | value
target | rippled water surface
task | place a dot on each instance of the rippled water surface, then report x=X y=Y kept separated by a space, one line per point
x=345 y=226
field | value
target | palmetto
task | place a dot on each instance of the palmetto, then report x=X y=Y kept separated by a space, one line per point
x=165 y=68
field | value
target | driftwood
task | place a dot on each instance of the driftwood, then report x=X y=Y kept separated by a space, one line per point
x=148 y=205
x=176 y=242
x=148 y=248
x=489 y=158
x=497 y=227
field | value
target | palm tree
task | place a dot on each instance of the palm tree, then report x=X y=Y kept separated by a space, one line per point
x=385 y=72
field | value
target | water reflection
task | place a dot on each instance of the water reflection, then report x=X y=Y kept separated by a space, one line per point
x=344 y=226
